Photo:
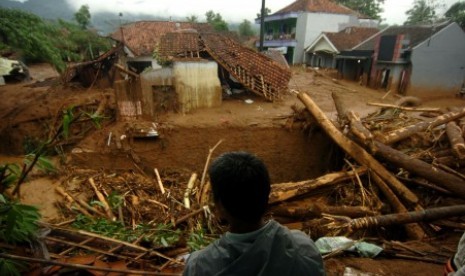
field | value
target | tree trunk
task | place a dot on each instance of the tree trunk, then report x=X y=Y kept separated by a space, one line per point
x=414 y=231
x=284 y=191
x=357 y=152
x=446 y=180
x=454 y=133
x=404 y=218
x=400 y=134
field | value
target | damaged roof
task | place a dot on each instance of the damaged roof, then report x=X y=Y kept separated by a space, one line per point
x=350 y=37
x=415 y=34
x=142 y=37
x=179 y=44
x=257 y=72
x=317 y=6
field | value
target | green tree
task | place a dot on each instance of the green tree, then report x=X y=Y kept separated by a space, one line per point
x=421 y=12
x=216 y=20
x=245 y=29
x=31 y=35
x=192 y=19
x=82 y=16
x=267 y=12
x=370 y=8
x=456 y=13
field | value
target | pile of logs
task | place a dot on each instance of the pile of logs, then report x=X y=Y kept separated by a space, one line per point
x=406 y=175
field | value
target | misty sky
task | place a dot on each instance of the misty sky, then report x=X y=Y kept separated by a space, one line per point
x=237 y=10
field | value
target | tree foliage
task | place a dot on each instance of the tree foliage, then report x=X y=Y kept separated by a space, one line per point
x=192 y=19
x=370 y=8
x=245 y=29
x=267 y=12
x=82 y=16
x=456 y=13
x=216 y=20
x=41 y=40
x=421 y=12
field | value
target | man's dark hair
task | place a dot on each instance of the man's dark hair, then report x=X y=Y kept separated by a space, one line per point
x=240 y=181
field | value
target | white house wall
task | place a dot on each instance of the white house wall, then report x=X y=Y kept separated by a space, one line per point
x=310 y=26
x=438 y=64
x=155 y=65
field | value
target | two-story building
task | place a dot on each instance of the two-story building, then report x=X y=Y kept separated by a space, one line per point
x=421 y=60
x=293 y=28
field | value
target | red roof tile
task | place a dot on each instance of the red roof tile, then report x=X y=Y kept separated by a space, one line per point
x=350 y=37
x=317 y=6
x=142 y=37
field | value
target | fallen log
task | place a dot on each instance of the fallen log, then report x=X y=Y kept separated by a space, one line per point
x=284 y=191
x=446 y=180
x=454 y=133
x=414 y=231
x=316 y=210
x=449 y=161
x=403 y=133
x=358 y=129
x=357 y=152
x=404 y=218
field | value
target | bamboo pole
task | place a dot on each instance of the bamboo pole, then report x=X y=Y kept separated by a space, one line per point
x=187 y=193
x=86 y=267
x=404 y=218
x=71 y=200
x=202 y=189
x=102 y=199
x=160 y=184
x=357 y=152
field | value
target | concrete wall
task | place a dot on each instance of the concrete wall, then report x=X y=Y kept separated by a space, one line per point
x=310 y=26
x=197 y=84
x=438 y=64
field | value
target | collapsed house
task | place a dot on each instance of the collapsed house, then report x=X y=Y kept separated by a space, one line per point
x=201 y=64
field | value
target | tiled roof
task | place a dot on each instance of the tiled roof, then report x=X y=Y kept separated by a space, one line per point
x=142 y=37
x=415 y=35
x=179 y=44
x=350 y=37
x=316 y=6
x=257 y=72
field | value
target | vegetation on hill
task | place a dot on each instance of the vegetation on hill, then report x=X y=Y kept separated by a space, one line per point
x=40 y=40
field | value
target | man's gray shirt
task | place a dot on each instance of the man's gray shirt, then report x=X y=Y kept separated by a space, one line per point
x=271 y=250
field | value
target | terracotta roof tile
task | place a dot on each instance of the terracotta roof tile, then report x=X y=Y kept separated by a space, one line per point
x=316 y=6
x=142 y=37
x=257 y=72
x=350 y=37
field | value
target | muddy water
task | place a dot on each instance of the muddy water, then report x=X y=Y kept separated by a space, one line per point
x=289 y=155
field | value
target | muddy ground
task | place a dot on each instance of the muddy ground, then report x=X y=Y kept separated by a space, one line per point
x=260 y=127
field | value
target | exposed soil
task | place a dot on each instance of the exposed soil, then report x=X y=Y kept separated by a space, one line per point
x=260 y=127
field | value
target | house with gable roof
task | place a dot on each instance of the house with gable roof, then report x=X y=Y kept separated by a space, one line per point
x=323 y=51
x=142 y=37
x=419 y=60
x=293 y=28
